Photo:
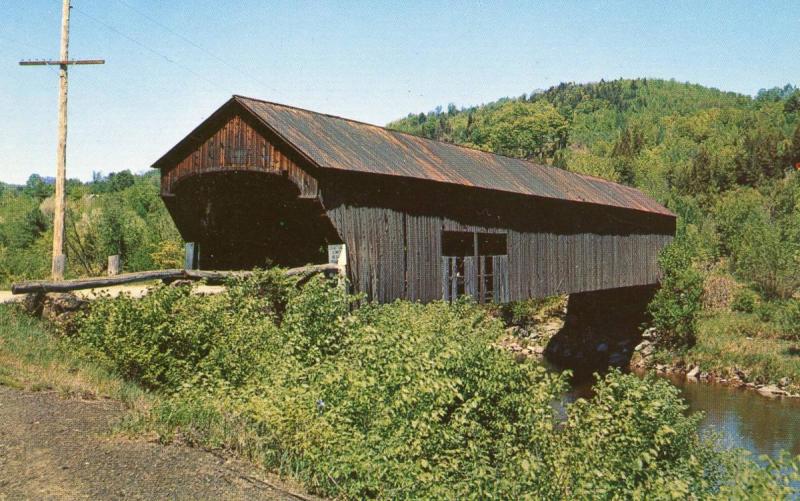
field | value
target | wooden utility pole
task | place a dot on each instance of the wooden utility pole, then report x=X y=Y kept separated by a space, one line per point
x=59 y=217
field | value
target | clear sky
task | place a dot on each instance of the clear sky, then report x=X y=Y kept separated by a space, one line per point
x=372 y=61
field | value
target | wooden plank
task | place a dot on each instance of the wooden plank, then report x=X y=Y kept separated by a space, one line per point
x=500 y=279
x=471 y=280
x=143 y=276
x=445 y=279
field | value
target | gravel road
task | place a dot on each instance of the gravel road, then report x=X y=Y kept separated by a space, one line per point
x=52 y=448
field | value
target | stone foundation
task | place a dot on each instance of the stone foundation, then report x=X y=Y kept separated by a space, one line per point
x=601 y=330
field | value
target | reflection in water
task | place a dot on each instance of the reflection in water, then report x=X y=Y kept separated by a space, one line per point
x=743 y=418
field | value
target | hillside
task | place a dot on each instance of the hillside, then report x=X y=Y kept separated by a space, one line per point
x=662 y=136
x=724 y=162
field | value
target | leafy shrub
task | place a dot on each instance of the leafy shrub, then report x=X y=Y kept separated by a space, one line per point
x=400 y=401
x=677 y=303
x=783 y=315
x=774 y=481
x=745 y=301
x=315 y=323
x=169 y=338
x=532 y=311
x=760 y=239
x=649 y=445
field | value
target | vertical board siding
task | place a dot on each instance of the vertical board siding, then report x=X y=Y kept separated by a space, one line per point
x=236 y=146
x=500 y=279
x=394 y=255
x=545 y=264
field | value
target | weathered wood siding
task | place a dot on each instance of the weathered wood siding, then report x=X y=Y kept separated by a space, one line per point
x=393 y=226
x=544 y=264
x=397 y=255
x=237 y=146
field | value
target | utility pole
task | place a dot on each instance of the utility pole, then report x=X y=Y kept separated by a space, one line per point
x=59 y=259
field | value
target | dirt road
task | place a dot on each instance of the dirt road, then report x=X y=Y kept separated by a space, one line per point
x=51 y=448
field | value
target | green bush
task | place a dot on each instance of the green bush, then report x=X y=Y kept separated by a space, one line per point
x=397 y=401
x=677 y=303
x=169 y=339
x=783 y=315
x=648 y=444
x=745 y=300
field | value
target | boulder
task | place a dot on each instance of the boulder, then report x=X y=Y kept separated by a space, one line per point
x=61 y=308
x=771 y=390
x=646 y=348
x=33 y=303
x=693 y=372
x=602 y=347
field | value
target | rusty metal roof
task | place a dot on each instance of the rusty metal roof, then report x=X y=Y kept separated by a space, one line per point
x=333 y=142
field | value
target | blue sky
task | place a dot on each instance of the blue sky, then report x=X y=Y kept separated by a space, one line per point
x=372 y=61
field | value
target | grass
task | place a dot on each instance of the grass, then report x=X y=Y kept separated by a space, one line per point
x=33 y=357
x=727 y=341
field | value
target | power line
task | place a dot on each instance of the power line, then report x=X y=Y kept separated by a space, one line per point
x=197 y=46
x=149 y=49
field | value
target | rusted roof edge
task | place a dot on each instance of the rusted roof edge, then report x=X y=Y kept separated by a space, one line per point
x=198 y=132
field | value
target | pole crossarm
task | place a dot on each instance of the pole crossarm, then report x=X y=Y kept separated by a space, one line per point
x=61 y=63
x=59 y=212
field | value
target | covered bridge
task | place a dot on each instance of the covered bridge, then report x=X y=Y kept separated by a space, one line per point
x=260 y=183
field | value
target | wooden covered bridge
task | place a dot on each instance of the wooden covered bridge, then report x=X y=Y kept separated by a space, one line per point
x=261 y=183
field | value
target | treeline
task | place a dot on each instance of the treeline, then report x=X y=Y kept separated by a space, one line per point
x=120 y=213
x=724 y=162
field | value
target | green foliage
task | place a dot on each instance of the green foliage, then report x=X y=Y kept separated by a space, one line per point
x=315 y=322
x=169 y=339
x=120 y=214
x=400 y=401
x=760 y=234
x=773 y=481
x=649 y=445
x=530 y=311
x=521 y=129
x=675 y=307
x=745 y=300
x=784 y=315
x=37 y=188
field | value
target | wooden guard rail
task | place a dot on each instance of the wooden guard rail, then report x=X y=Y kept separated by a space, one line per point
x=164 y=275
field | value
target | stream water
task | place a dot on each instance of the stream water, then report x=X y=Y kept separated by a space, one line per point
x=743 y=418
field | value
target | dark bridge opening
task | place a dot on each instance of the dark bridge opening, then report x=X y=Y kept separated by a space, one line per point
x=241 y=220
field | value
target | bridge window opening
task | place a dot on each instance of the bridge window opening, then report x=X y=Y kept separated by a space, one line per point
x=474 y=263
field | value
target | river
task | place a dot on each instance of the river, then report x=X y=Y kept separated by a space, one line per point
x=743 y=418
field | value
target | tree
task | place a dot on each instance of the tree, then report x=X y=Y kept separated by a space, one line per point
x=527 y=130
x=36 y=187
x=120 y=180
x=792 y=154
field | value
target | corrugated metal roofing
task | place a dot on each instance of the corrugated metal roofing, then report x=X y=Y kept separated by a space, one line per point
x=337 y=143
